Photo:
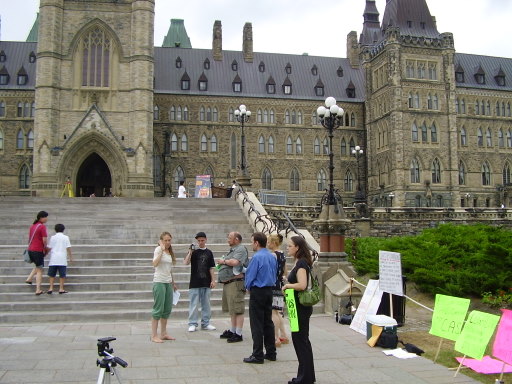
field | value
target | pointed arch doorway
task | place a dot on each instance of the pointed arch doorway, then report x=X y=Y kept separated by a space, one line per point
x=93 y=177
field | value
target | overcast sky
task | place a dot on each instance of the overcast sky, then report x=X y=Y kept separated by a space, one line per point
x=298 y=26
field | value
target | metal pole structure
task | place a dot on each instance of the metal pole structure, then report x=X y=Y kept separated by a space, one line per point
x=242 y=115
x=360 y=196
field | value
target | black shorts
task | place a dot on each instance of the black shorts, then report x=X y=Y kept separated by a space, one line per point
x=37 y=258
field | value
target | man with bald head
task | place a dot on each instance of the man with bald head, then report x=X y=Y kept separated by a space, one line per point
x=231 y=275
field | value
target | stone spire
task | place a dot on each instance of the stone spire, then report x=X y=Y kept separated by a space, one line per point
x=371 y=24
x=247 y=43
x=217 y=41
x=411 y=16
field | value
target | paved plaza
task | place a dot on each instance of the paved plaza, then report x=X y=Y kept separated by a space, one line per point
x=67 y=352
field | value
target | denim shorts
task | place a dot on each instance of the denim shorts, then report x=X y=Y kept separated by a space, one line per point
x=52 y=270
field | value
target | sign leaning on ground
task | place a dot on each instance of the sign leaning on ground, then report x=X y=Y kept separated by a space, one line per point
x=476 y=334
x=390 y=273
x=502 y=348
x=368 y=306
x=449 y=315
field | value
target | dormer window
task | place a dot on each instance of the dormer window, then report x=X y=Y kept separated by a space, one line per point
x=271 y=85
x=287 y=86
x=409 y=23
x=234 y=65
x=351 y=90
x=314 y=70
x=319 y=88
x=237 y=84
x=3 y=57
x=4 y=76
x=288 y=69
x=422 y=24
x=185 y=82
x=203 y=83
x=261 y=67
x=22 y=77
x=32 y=57
x=206 y=64
x=459 y=77
x=178 y=62
x=500 y=78
x=480 y=75
x=339 y=72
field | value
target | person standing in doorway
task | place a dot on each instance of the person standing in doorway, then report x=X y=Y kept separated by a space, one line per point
x=231 y=275
x=163 y=287
x=259 y=281
x=202 y=280
x=38 y=236
x=59 y=249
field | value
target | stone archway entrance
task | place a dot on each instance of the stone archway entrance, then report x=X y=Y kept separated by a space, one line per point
x=93 y=177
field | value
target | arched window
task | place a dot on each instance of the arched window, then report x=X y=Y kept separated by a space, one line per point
x=480 y=137
x=509 y=139
x=272 y=116
x=179 y=175
x=299 y=117
x=172 y=113
x=501 y=139
x=204 y=143
x=231 y=117
x=215 y=114
x=261 y=144
x=271 y=144
x=462 y=173
x=289 y=145
x=213 y=143
x=433 y=133
x=506 y=174
x=352 y=145
x=294 y=180
x=435 y=102
x=457 y=110
x=156 y=113
x=1 y=140
x=488 y=108
x=463 y=136
x=488 y=137
x=202 y=116
x=314 y=118
x=416 y=100
x=30 y=139
x=410 y=101
x=185 y=113
x=463 y=106
x=287 y=117
x=265 y=116
x=352 y=119
x=266 y=179
x=414 y=132
x=343 y=147
x=20 y=140
x=348 y=181
x=477 y=107
x=498 y=110
x=24 y=177
x=325 y=146
x=2 y=109
x=298 y=146
x=486 y=174
x=97 y=49
x=32 y=109
x=294 y=117
x=436 y=172
x=321 y=180
x=208 y=114
x=424 y=133
x=259 y=116
x=415 y=171
x=174 y=143
x=316 y=146
x=184 y=143
x=178 y=113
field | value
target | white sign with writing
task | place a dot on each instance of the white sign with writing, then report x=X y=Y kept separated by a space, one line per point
x=368 y=306
x=390 y=273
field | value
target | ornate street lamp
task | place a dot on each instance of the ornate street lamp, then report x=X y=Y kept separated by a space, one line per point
x=331 y=117
x=242 y=115
x=360 y=195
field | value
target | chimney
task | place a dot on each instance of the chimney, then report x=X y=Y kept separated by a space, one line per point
x=247 y=43
x=217 y=41
x=353 y=49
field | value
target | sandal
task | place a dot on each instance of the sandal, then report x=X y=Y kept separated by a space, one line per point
x=39 y=293
x=61 y=292
x=49 y=292
x=284 y=340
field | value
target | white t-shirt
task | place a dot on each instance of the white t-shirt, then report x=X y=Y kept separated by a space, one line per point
x=182 y=192
x=164 y=267
x=59 y=243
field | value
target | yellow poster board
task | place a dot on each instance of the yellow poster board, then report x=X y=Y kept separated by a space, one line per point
x=292 y=309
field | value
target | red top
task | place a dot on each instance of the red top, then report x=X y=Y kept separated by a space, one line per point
x=37 y=242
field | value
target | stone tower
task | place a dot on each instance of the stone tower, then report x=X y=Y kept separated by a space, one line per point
x=410 y=119
x=94 y=98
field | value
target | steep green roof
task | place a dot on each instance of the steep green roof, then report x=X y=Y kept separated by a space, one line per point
x=177 y=35
x=32 y=36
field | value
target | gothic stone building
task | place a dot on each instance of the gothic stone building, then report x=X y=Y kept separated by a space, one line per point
x=89 y=100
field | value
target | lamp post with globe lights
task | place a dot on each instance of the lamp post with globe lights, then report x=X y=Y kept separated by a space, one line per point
x=242 y=115
x=358 y=152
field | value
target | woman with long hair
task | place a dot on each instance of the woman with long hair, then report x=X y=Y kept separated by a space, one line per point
x=273 y=243
x=38 y=236
x=163 y=287
x=298 y=281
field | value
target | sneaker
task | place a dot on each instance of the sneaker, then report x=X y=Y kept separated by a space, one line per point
x=192 y=328
x=227 y=334
x=235 y=338
x=209 y=327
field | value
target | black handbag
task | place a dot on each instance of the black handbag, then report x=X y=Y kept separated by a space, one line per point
x=388 y=339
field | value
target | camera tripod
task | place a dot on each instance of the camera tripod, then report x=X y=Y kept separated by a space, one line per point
x=109 y=362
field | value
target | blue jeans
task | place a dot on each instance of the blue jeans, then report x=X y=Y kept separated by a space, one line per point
x=196 y=296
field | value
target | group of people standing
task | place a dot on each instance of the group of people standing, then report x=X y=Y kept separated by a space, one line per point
x=263 y=277
x=59 y=249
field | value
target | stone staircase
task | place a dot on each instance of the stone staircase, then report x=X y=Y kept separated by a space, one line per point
x=112 y=241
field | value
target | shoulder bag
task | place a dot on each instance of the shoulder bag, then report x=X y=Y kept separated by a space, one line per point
x=26 y=256
x=311 y=295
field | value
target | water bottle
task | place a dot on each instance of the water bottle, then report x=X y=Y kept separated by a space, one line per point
x=219 y=265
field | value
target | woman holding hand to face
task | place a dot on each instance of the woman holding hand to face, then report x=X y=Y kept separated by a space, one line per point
x=163 y=287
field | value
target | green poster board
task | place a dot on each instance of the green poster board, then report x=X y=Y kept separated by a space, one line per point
x=476 y=334
x=449 y=315
x=292 y=309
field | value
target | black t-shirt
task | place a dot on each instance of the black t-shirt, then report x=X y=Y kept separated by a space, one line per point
x=292 y=276
x=201 y=262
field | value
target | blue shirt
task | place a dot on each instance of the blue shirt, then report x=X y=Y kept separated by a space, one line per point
x=262 y=270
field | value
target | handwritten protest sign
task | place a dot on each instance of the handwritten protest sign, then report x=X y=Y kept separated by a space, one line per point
x=292 y=310
x=390 y=273
x=448 y=317
x=476 y=334
x=502 y=348
x=368 y=306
